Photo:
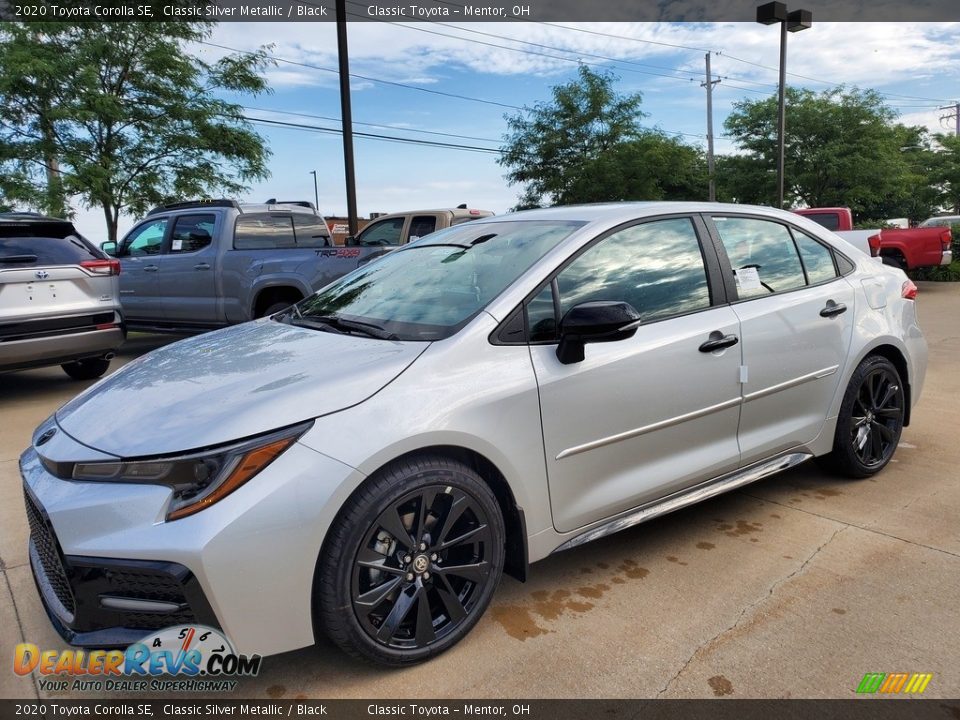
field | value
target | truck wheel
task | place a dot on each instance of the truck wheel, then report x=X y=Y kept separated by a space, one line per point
x=894 y=261
x=275 y=308
x=89 y=369
x=870 y=420
x=411 y=562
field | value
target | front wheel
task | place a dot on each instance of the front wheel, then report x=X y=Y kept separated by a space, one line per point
x=411 y=562
x=870 y=421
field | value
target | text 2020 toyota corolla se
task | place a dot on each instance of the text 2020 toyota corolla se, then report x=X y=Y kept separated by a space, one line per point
x=367 y=463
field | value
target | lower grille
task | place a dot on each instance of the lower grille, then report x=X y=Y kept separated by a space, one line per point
x=49 y=553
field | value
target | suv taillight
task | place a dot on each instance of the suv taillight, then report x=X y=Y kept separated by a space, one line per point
x=874 y=242
x=908 y=291
x=946 y=239
x=101 y=267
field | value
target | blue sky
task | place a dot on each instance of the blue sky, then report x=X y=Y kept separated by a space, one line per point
x=917 y=65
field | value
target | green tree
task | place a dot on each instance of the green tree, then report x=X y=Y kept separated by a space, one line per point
x=120 y=115
x=946 y=171
x=587 y=145
x=843 y=147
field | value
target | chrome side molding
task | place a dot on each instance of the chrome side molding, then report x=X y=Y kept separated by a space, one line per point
x=693 y=495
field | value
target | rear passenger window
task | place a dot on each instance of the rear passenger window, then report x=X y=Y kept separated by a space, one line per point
x=422 y=225
x=762 y=254
x=263 y=232
x=192 y=233
x=817 y=259
x=311 y=231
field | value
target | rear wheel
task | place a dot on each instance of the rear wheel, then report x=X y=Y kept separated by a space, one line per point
x=870 y=420
x=89 y=369
x=411 y=563
x=894 y=261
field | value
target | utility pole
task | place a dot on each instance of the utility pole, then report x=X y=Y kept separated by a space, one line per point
x=955 y=116
x=346 y=115
x=708 y=84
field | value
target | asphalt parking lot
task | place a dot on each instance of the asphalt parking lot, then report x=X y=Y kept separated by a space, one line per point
x=792 y=587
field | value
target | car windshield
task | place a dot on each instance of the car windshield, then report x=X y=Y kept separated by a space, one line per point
x=431 y=288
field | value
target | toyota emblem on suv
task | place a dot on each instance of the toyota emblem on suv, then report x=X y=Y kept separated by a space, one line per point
x=42 y=274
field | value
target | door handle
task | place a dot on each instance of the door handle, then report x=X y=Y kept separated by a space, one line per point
x=719 y=343
x=832 y=309
x=150 y=268
x=202 y=266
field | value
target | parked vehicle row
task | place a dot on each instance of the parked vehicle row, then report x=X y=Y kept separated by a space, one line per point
x=377 y=455
x=199 y=265
x=907 y=249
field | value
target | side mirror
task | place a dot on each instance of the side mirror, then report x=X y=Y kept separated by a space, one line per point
x=350 y=240
x=605 y=321
x=109 y=247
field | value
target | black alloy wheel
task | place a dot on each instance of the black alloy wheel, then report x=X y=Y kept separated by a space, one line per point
x=411 y=562
x=870 y=420
x=419 y=569
x=877 y=417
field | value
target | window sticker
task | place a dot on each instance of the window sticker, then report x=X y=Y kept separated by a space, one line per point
x=177 y=244
x=747 y=279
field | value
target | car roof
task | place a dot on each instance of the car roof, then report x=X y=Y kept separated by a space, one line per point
x=625 y=211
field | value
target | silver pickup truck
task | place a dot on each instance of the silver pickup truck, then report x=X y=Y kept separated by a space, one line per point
x=199 y=265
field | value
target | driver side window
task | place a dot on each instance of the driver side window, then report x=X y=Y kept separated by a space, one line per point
x=386 y=232
x=147 y=239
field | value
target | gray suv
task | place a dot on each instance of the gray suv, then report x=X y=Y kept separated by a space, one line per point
x=59 y=298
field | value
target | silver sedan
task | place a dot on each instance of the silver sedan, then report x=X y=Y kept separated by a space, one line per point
x=368 y=463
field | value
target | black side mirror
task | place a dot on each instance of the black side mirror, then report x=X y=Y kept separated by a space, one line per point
x=109 y=247
x=605 y=321
x=350 y=241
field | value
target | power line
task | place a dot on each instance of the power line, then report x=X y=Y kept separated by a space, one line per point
x=369 y=124
x=365 y=77
x=372 y=136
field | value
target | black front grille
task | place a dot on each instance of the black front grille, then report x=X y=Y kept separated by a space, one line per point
x=146 y=585
x=49 y=553
x=153 y=621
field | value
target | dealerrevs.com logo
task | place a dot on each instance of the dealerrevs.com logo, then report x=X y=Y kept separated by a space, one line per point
x=202 y=655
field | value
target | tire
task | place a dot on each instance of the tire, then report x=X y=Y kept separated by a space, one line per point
x=894 y=261
x=870 y=420
x=275 y=308
x=383 y=615
x=89 y=369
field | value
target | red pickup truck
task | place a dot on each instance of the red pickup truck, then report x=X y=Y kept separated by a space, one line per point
x=906 y=249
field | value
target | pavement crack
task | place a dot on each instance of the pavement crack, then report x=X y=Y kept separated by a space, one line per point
x=746 y=610
x=23 y=637
x=865 y=528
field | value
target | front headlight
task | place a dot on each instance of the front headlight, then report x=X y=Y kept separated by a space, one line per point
x=200 y=479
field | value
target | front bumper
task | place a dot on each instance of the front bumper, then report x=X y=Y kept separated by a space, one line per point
x=244 y=565
x=105 y=602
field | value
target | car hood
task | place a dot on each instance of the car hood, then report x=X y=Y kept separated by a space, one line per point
x=231 y=384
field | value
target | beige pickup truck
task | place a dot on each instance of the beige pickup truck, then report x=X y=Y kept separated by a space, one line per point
x=402 y=227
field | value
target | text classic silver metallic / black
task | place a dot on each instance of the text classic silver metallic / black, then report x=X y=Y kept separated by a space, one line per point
x=367 y=463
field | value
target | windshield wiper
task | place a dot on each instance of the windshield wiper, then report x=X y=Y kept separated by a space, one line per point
x=343 y=325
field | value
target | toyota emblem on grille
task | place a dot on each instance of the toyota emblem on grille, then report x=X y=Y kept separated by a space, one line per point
x=47 y=434
x=42 y=274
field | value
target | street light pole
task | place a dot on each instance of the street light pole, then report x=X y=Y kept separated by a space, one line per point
x=768 y=14
x=346 y=116
x=316 y=192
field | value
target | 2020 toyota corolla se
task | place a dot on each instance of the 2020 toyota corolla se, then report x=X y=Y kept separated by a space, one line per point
x=367 y=463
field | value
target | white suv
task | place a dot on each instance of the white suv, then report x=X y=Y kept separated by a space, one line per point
x=59 y=298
